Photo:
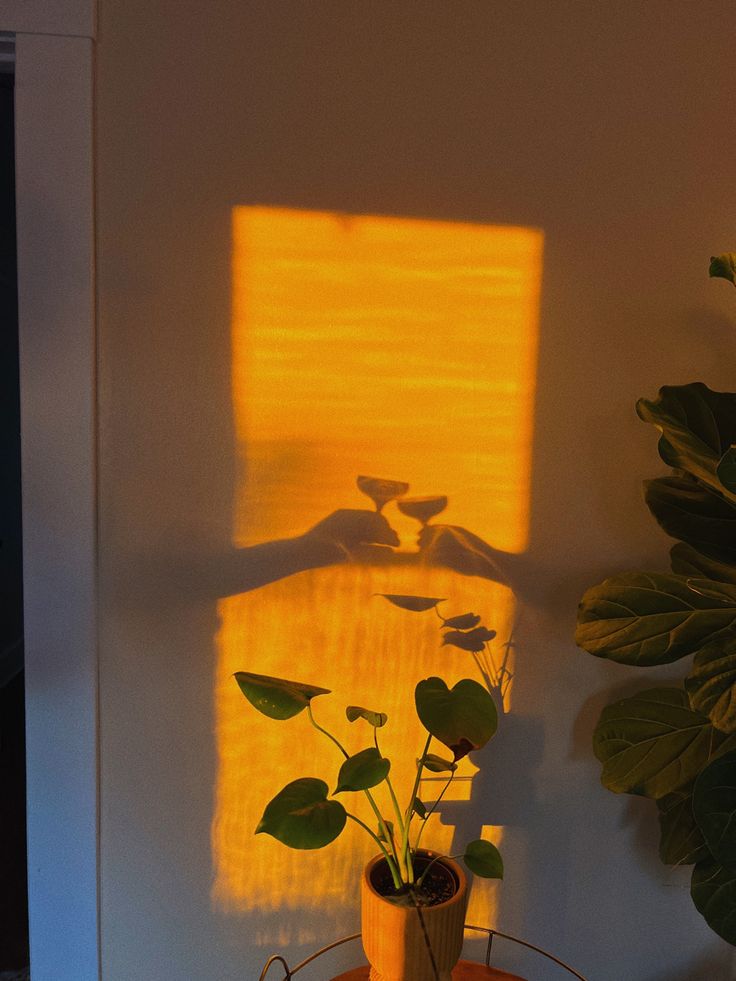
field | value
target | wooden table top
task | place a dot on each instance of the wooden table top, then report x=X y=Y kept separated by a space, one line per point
x=465 y=971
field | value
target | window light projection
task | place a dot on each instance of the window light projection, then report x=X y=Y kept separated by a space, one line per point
x=376 y=346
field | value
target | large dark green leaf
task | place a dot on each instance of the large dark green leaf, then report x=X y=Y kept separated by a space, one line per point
x=686 y=561
x=275 y=697
x=698 y=425
x=681 y=841
x=484 y=859
x=464 y=718
x=714 y=806
x=301 y=816
x=711 y=683
x=726 y=469
x=376 y=719
x=646 y=618
x=686 y=510
x=722 y=592
x=653 y=743
x=364 y=770
x=713 y=889
x=723 y=266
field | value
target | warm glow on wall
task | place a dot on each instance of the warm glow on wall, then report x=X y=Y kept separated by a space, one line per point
x=395 y=347
x=383 y=345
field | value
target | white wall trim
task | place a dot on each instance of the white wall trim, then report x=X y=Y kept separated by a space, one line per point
x=73 y=18
x=55 y=219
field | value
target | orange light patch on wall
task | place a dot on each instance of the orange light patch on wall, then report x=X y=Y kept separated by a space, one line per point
x=387 y=346
x=393 y=347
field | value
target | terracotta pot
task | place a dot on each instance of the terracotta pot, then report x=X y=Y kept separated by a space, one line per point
x=394 y=940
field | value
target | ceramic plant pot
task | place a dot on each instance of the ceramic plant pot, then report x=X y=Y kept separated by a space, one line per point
x=394 y=938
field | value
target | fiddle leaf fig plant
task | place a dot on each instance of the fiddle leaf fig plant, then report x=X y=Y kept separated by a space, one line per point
x=305 y=814
x=723 y=266
x=677 y=745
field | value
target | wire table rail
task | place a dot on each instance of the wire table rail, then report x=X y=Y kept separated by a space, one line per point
x=491 y=934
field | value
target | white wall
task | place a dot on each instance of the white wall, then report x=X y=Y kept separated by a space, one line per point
x=610 y=126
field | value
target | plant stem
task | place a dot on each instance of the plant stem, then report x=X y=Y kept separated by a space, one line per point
x=326 y=733
x=405 y=850
x=383 y=826
x=397 y=809
x=437 y=858
x=371 y=801
x=389 y=860
x=432 y=809
x=420 y=767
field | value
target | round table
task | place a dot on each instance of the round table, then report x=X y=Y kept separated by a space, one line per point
x=465 y=971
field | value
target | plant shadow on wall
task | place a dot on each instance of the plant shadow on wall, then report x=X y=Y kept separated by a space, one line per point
x=388 y=656
x=387 y=345
x=677 y=745
x=413 y=901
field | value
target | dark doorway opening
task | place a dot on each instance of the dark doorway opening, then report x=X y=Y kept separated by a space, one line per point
x=13 y=867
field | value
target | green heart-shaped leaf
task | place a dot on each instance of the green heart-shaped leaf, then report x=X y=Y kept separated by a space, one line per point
x=646 y=618
x=681 y=841
x=712 y=683
x=686 y=561
x=275 y=697
x=713 y=889
x=714 y=806
x=464 y=718
x=484 y=859
x=686 y=510
x=653 y=743
x=723 y=266
x=364 y=770
x=416 y=604
x=302 y=817
x=436 y=764
x=376 y=719
x=698 y=425
x=466 y=621
x=469 y=640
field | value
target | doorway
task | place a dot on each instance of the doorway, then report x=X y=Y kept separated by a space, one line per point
x=13 y=869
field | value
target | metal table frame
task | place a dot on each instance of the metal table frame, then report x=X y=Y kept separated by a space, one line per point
x=491 y=934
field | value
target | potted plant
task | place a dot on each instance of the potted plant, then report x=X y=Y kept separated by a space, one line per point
x=677 y=745
x=413 y=900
